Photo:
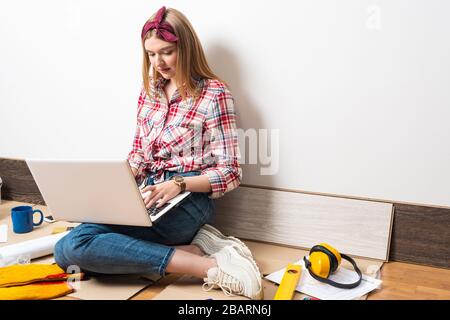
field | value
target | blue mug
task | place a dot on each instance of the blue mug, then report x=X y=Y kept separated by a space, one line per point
x=22 y=218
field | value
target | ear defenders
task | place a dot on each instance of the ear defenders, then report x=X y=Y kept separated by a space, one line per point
x=324 y=260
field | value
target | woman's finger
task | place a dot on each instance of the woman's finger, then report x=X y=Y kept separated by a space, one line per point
x=148 y=188
x=155 y=193
x=157 y=196
x=150 y=197
x=163 y=201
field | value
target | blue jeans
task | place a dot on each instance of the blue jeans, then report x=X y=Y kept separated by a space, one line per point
x=114 y=249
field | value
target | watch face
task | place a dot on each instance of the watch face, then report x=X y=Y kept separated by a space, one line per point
x=179 y=179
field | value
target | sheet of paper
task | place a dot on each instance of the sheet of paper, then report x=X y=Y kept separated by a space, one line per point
x=32 y=248
x=3 y=233
x=308 y=285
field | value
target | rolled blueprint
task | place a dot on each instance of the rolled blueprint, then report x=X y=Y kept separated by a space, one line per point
x=31 y=249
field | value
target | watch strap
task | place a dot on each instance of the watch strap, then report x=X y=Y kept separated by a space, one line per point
x=181 y=184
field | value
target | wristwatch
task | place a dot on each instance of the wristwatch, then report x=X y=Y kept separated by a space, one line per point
x=179 y=181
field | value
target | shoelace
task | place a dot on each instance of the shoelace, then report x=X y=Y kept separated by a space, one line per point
x=226 y=282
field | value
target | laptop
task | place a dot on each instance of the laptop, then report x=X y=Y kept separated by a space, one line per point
x=95 y=191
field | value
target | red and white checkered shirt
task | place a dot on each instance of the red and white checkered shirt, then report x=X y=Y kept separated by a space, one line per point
x=191 y=135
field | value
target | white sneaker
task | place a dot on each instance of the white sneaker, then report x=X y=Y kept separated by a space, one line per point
x=210 y=240
x=235 y=274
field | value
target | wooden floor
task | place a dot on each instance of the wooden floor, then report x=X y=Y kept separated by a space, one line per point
x=401 y=281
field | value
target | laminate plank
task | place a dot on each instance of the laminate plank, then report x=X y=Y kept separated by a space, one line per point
x=18 y=182
x=355 y=227
x=421 y=235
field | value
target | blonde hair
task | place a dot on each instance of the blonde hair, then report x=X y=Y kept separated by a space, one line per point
x=191 y=59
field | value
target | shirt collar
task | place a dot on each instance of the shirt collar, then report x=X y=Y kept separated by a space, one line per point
x=162 y=81
x=159 y=86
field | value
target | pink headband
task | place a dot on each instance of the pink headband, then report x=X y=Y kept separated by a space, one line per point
x=163 y=29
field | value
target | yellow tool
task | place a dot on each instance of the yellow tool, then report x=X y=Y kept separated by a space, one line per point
x=289 y=282
x=61 y=229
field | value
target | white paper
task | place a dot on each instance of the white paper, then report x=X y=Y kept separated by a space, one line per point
x=3 y=233
x=310 y=286
x=31 y=249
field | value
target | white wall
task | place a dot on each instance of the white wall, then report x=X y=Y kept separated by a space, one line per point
x=358 y=89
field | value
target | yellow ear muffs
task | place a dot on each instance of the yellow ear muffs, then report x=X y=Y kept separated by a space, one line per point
x=320 y=264
x=324 y=260
x=335 y=254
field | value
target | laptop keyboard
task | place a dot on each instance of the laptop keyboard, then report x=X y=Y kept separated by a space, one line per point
x=153 y=211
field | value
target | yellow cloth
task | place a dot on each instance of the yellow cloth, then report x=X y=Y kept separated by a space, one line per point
x=24 y=274
x=37 y=291
x=34 y=281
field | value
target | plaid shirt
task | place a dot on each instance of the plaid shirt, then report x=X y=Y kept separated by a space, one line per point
x=190 y=135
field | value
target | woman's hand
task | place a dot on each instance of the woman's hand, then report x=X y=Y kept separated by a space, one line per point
x=165 y=191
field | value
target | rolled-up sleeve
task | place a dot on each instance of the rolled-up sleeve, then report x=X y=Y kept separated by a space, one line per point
x=225 y=173
x=136 y=155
